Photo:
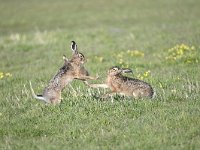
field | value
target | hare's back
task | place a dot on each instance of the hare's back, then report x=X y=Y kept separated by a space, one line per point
x=137 y=84
x=141 y=87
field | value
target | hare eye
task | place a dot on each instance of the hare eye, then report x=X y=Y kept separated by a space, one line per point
x=115 y=69
x=81 y=56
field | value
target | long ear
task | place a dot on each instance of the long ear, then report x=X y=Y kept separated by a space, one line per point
x=65 y=59
x=74 y=46
x=127 y=70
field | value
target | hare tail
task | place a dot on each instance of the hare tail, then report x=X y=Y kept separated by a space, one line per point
x=39 y=97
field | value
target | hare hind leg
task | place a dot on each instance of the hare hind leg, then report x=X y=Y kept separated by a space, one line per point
x=55 y=101
x=109 y=94
x=98 y=86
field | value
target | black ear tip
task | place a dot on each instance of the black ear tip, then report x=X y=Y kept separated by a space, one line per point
x=127 y=70
x=73 y=46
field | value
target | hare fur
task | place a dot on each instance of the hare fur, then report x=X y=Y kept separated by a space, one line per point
x=124 y=85
x=72 y=69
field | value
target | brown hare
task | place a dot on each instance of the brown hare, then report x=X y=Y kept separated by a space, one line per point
x=125 y=85
x=72 y=69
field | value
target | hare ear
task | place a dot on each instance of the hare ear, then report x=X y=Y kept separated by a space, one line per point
x=65 y=58
x=127 y=70
x=73 y=46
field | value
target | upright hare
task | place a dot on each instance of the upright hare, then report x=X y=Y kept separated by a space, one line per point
x=125 y=85
x=72 y=69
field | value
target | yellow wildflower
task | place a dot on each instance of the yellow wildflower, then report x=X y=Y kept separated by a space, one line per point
x=146 y=74
x=8 y=74
x=140 y=76
x=135 y=53
x=182 y=53
x=1 y=75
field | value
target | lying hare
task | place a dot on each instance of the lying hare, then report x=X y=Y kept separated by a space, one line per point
x=72 y=69
x=125 y=85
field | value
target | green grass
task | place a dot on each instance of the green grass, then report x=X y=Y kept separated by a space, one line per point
x=35 y=34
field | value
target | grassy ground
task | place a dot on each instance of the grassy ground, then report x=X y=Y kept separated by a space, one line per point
x=158 y=39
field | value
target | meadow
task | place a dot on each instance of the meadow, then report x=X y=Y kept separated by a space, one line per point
x=159 y=40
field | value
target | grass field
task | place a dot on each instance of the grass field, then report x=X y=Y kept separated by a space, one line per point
x=159 y=40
